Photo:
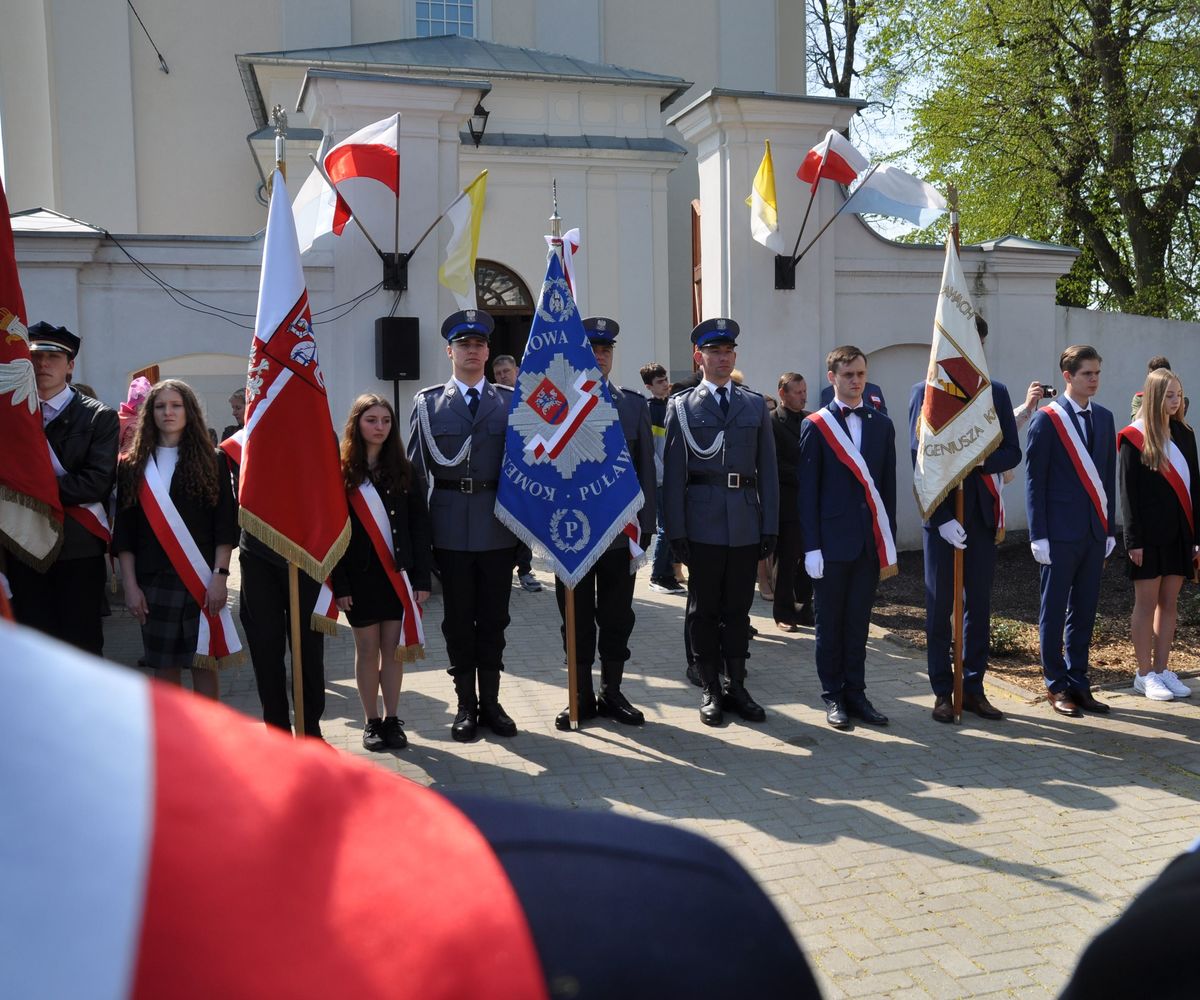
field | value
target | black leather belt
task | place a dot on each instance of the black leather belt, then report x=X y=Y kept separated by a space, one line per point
x=465 y=485
x=730 y=480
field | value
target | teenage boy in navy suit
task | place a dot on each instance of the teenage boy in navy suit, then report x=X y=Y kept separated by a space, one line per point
x=847 y=496
x=1070 y=490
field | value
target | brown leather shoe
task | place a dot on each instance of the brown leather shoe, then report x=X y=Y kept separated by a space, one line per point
x=786 y=626
x=1063 y=705
x=1085 y=701
x=979 y=704
x=943 y=708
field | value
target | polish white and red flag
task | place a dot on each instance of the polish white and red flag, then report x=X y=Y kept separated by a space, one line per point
x=290 y=482
x=834 y=157
x=371 y=153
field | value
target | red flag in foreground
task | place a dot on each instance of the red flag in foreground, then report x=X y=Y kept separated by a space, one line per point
x=31 y=515
x=834 y=157
x=290 y=488
x=371 y=153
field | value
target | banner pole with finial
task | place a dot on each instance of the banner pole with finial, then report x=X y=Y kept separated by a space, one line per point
x=952 y=200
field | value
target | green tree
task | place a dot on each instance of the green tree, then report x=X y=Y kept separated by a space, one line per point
x=1076 y=121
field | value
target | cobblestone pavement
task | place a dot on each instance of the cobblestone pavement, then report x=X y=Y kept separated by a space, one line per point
x=920 y=860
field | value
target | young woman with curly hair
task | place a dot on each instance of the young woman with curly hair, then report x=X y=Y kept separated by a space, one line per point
x=384 y=576
x=1160 y=499
x=171 y=450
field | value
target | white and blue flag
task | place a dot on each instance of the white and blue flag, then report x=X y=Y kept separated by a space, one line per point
x=568 y=486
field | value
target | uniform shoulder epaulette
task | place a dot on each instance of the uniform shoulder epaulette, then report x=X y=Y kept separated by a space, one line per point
x=503 y=388
x=632 y=392
x=753 y=392
x=430 y=388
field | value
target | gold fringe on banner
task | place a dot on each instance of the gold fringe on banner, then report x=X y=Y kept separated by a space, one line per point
x=212 y=663
x=954 y=483
x=320 y=623
x=35 y=507
x=889 y=571
x=288 y=550
x=408 y=654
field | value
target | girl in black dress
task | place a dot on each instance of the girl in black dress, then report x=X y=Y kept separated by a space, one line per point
x=372 y=453
x=171 y=433
x=1159 y=481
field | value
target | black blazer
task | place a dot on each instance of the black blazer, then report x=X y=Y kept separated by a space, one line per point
x=412 y=540
x=786 y=427
x=1149 y=507
x=84 y=437
x=210 y=525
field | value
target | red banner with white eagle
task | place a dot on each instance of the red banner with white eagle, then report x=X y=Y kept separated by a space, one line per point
x=290 y=485
x=31 y=516
x=958 y=427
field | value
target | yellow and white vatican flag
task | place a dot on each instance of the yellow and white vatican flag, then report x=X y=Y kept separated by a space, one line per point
x=958 y=427
x=764 y=210
x=465 y=214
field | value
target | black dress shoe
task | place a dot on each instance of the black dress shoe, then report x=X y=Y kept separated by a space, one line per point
x=835 y=715
x=586 y=709
x=805 y=616
x=787 y=626
x=710 y=707
x=1063 y=704
x=867 y=712
x=979 y=704
x=737 y=699
x=614 y=705
x=1083 y=698
x=943 y=708
x=497 y=720
x=693 y=675
x=393 y=733
x=466 y=724
x=373 y=736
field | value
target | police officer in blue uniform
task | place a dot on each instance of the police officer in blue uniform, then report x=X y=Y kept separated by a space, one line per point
x=456 y=442
x=604 y=615
x=721 y=492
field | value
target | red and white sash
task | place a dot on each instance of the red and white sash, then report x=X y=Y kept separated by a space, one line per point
x=1085 y=468
x=1174 y=469
x=218 y=638
x=841 y=445
x=994 y=484
x=92 y=516
x=368 y=506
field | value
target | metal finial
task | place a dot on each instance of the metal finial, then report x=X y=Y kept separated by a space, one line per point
x=279 y=118
x=555 y=219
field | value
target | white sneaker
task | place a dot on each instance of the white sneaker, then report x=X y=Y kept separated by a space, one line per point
x=1152 y=687
x=1174 y=684
x=530 y=583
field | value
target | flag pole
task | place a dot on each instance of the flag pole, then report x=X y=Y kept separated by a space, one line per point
x=832 y=218
x=358 y=222
x=812 y=194
x=280 y=118
x=569 y=592
x=952 y=198
x=461 y=195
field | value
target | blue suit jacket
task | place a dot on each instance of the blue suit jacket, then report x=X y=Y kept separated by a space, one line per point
x=872 y=396
x=834 y=516
x=1059 y=508
x=976 y=498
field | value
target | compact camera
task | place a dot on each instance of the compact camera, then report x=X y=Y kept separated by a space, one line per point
x=1048 y=391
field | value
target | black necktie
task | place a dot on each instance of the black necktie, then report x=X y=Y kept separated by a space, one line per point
x=723 y=399
x=473 y=400
x=1087 y=427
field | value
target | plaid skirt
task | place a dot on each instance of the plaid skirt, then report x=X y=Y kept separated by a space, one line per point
x=173 y=625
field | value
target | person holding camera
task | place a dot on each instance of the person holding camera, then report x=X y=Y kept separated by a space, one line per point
x=981 y=529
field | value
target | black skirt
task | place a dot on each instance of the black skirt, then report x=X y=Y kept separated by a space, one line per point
x=1172 y=559
x=374 y=598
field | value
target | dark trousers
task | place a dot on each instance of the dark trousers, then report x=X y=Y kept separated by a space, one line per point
x=475 y=590
x=603 y=609
x=979 y=564
x=524 y=559
x=843 y=614
x=720 y=592
x=1070 y=594
x=266 y=619
x=66 y=602
x=662 y=570
x=791 y=582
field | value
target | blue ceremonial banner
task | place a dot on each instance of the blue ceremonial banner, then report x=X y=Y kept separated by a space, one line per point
x=567 y=484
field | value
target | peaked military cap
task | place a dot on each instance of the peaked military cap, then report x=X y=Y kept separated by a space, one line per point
x=715 y=331
x=467 y=323
x=601 y=329
x=44 y=337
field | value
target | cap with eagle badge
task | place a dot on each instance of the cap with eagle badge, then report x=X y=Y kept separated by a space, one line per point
x=467 y=323
x=715 y=331
x=44 y=337
x=601 y=329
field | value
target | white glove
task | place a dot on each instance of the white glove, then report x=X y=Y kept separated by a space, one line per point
x=953 y=533
x=814 y=564
x=1041 y=550
x=1110 y=543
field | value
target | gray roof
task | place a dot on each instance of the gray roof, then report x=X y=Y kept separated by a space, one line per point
x=453 y=56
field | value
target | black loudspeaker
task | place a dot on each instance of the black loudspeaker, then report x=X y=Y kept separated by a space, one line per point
x=398 y=348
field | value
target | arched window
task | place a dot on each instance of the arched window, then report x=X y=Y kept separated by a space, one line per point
x=496 y=287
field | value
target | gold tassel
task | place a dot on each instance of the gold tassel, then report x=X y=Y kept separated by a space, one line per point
x=319 y=623
x=408 y=654
x=288 y=550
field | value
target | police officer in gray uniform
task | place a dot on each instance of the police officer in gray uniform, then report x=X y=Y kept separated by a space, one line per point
x=721 y=492
x=604 y=597
x=456 y=441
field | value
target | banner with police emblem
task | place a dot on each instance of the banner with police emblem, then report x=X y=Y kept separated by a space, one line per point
x=567 y=485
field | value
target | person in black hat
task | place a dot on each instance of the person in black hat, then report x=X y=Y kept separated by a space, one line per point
x=456 y=442
x=604 y=615
x=67 y=600
x=721 y=491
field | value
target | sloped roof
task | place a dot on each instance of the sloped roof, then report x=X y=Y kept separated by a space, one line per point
x=45 y=220
x=453 y=56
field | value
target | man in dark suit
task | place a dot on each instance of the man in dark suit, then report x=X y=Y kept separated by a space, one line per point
x=604 y=615
x=1070 y=497
x=977 y=535
x=721 y=491
x=872 y=396
x=848 y=522
x=791 y=581
x=456 y=441
x=67 y=600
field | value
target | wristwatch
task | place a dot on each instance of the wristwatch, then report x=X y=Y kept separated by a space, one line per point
x=222 y=570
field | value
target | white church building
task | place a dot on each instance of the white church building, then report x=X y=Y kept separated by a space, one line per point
x=135 y=154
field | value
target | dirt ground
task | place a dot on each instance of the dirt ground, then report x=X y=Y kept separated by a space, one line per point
x=900 y=608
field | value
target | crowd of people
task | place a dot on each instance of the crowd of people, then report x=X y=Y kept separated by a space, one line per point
x=734 y=484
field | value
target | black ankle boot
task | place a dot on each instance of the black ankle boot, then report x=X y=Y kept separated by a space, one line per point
x=491 y=714
x=466 y=722
x=611 y=703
